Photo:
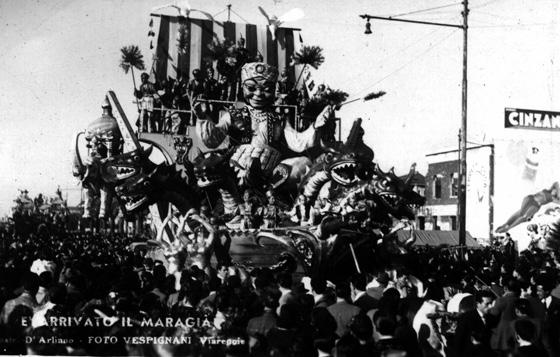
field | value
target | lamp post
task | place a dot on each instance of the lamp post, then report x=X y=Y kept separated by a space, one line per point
x=462 y=206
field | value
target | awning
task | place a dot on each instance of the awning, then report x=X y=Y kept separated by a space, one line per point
x=437 y=238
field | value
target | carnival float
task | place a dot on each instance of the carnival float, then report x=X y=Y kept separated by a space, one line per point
x=243 y=162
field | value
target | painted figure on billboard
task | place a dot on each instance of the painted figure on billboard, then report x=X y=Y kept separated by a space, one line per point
x=530 y=205
x=531 y=164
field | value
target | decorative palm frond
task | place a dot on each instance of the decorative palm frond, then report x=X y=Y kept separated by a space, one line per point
x=374 y=95
x=335 y=96
x=369 y=96
x=309 y=55
x=219 y=49
x=131 y=57
x=230 y=57
x=317 y=103
x=183 y=41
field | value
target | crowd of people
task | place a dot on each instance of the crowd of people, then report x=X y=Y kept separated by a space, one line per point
x=165 y=106
x=67 y=293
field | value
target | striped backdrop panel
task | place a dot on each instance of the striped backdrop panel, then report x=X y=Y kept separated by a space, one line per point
x=170 y=63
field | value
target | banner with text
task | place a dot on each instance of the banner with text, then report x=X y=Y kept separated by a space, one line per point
x=531 y=119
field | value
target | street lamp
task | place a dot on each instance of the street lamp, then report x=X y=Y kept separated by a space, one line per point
x=461 y=207
x=368 y=28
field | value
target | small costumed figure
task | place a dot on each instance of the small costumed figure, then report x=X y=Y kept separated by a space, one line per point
x=283 y=85
x=316 y=212
x=245 y=214
x=148 y=97
x=264 y=140
x=300 y=213
x=196 y=85
x=247 y=211
x=271 y=212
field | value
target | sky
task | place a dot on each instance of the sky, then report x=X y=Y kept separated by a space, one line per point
x=61 y=56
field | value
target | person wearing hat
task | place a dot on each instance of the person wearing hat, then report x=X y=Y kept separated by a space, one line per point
x=264 y=139
x=283 y=85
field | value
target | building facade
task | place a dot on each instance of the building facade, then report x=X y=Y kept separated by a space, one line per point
x=442 y=189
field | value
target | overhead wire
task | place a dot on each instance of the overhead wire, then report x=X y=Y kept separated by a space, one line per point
x=425 y=10
x=483 y=5
x=218 y=13
x=415 y=42
x=420 y=55
x=488 y=24
x=536 y=24
x=493 y=15
x=438 y=16
x=241 y=17
x=412 y=43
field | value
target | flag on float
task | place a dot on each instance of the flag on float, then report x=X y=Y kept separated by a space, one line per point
x=169 y=61
x=309 y=82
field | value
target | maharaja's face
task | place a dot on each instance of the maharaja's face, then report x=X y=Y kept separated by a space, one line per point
x=258 y=92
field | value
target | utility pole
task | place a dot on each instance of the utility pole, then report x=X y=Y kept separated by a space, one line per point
x=462 y=194
x=462 y=204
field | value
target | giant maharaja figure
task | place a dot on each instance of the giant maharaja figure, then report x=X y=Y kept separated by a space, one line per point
x=264 y=140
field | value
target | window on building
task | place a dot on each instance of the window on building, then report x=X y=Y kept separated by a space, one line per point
x=435 y=223
x=453 y=223
x=421 y=222
x=437 y=186
x=454 y=184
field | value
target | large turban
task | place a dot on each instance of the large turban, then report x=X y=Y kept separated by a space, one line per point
x=259 y=70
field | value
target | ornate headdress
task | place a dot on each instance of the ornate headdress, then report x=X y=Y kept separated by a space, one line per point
x=259 y=70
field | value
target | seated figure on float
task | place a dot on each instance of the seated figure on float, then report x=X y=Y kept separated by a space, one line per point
x=265 y=141
x=270 y=213
x=247 y=211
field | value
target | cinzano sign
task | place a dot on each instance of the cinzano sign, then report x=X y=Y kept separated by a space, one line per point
x=532 y=119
